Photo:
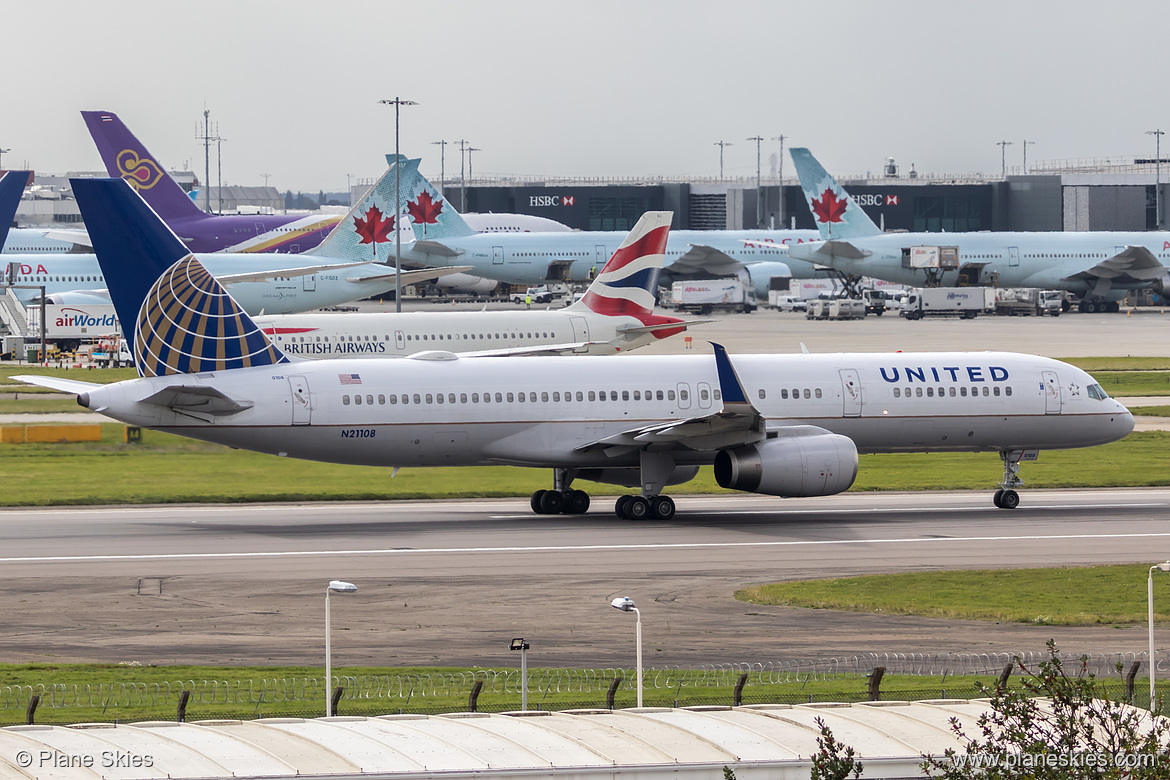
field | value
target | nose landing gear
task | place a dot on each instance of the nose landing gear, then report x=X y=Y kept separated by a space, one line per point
x=1007 y=497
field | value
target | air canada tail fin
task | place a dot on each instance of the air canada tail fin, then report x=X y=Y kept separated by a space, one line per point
x=431 y=215
x=178 y=318
x=125 y=157
x=12 y=186
x=628 y=284
x=837 y=215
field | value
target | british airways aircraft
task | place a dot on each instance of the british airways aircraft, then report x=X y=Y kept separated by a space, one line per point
x=615 y=315
x=443 y=237
x=783 y=425
x=1102 y=267
x=270 y=283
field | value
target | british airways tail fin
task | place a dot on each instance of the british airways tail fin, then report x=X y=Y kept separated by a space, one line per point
x=177 y=317
x=12 y=186
x=125 y=157
x=837 y=215
x=628 y=284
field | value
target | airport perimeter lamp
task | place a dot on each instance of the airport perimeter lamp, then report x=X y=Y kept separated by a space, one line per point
x=722 y=145
x=470 y=170
x=335 y=586
x=1150 y=602
x=2 y=153
x=780 y=207
x=626 y=604
x=759 y=139
x=397 y=102
x=1157 y=176
x=522 y=646
x=442 y=165
x=1026 y=142
x=1003 y=145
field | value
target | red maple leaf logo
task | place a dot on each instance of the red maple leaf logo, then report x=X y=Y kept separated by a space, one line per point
x=425 y=210
x=375 y=228
x=829 y=208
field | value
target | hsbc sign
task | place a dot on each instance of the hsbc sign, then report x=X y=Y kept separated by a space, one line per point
x=551 y=200
x=876 y=199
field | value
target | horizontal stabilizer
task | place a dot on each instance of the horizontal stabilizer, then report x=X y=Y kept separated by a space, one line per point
x=64 y=385
x=437 y=248
x=639 y=330
x=196 y=398
x=264 y=276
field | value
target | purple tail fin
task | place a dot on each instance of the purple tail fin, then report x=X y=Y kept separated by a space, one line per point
x=125 y=157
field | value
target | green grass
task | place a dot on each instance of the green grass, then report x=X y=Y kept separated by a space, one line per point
x=1150 y=411
x=106 y=683
x=39 y=406
x=1126 y=383
x=1082 y=596
x=1094 y=364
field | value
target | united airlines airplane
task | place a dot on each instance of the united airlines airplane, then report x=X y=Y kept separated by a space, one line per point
x=615 y=315
x=1100 y=266
x=783 y=425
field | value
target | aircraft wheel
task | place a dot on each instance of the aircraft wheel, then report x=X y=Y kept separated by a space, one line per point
x=619 y=508
x=535 y=502
x=576 y=502
x=1009 y=500
x=637 y=508
x=551 y=502
x=998 y=499
x=1114 y=307
x=662 y=507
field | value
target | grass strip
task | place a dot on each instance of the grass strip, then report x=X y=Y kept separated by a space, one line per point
x=1150 y=411
x=1075 y=596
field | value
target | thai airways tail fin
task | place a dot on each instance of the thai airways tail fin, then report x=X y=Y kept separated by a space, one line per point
x=125 y=157
x=12 y=186
x=628 y=284
x=177 y=317
x=836 y=213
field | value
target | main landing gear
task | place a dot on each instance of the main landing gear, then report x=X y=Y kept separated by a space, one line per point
x=1006 y=497
x=640 y=507
x=561 y=500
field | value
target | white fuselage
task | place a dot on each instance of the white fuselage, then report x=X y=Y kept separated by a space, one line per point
x=1048 y=260
x=77 y=278
x=389 y=334
x=545 y=411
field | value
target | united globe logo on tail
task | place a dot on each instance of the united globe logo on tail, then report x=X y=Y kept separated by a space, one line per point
x=189 y=324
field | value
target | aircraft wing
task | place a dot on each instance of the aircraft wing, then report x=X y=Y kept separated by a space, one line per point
x=197 y=398
x=535 y=349
x=707 y=259
x=78 y=237
x=411 y=277
x=64 y=385
x=264 y=276
x=1134 y=263
x=831 y=248
x=429 y=247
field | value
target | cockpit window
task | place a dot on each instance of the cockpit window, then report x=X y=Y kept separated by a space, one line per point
x=1097 y=392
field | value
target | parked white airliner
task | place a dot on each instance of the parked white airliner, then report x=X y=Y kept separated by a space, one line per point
x=1100 y=266
x=785 y=425
x=615 y=315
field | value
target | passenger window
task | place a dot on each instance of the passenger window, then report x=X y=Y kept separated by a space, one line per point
x=918 y=392
x=592 y=396
x=930 y=392
x=430 y=399
x=658 y=394
x=669 y=395
x=475 y=398
x=784 y=393
x=393 y=399
x=556 y=395
x=625 y=395
x=345 y=400
x=963 y=391
x=818 y=392
x=996 y=391
x=509 y=398
x=703 y=394
x=462 y=398
x=500 y=398
x=451 y=398
x=684 y=394
x=1007 y=391
x=762 y=394
x=418 y=398
x=637 y=395
x=370 y=400
x=544 y=397
x=357 y=399
x=953 y=392
x=807 y=394
x=532 y=397
x=438 y=398
x=519 y=397
x=986 y=391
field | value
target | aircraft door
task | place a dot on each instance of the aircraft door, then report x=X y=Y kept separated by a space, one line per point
x=497 y=255
x=1052 y=400
x=399 y=340
x=302 y=401
x=310 y=282
x=850 y=392
x=704 y=391
x=580 y=331
x=684 y=395
x=600 y=258
x=1013 y=255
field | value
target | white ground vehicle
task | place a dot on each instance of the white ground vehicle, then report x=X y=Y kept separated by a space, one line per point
x=967 y=302
x=787 y=302
x=708 y=295
x=1026 y=301
x=534 y=295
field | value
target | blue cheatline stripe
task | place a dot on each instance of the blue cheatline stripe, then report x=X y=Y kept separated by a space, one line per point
x=646 y=279
x=729 y=386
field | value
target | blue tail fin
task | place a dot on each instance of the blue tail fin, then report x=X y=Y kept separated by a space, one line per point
x=12 y=186
x=837 y=215
x=178 y=318
x=431 y=215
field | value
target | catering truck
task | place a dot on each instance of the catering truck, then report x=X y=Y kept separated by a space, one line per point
x=966 y=302
x=708 y=295
x=1026 y=301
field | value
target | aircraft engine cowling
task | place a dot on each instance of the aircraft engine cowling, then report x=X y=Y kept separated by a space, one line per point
x=1162 y=285
x=629 y=477
x=792 y=466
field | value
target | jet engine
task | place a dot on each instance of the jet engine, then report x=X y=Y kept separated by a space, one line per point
x=793 y=466
x=1162 y=285
x=629 y=477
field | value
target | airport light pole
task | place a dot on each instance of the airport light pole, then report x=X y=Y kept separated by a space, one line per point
x=721 y=145
x=780 y=207
x=335 y=586
x=1026 y=142
x=442 y=165
x=462 y=178
x=758 y=139
x=1150 y=603
x=626 y=604
x=398 y=103
x=1157 y=176
x=522 y=646
x=2 y=153
x=470 y=170
x=1003 y=145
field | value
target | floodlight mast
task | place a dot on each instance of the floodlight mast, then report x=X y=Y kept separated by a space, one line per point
x=335 y=586
x=1165 y=567
x=626 y=604
x=522 y=646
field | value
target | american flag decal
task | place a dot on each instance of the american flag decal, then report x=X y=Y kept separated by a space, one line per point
x=350 y=379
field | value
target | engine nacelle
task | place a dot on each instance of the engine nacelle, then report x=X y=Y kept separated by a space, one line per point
x=791 y=466
x=631 y=477
x=1162 y=286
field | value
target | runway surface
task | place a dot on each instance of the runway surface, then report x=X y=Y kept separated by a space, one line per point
x=453 y=582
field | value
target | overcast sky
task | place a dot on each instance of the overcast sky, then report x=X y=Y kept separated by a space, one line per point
x=596 y=88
